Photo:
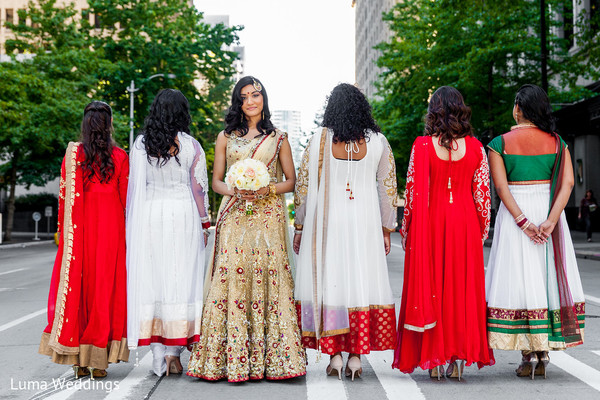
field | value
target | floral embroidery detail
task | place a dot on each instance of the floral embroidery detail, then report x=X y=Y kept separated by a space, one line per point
x=481 y=194
x=301 y=190
x=408 y=193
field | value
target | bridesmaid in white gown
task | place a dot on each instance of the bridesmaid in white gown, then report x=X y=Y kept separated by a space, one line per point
x=167 y=218
x=346 y=198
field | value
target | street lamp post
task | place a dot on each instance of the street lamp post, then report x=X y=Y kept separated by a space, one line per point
x=132 y=89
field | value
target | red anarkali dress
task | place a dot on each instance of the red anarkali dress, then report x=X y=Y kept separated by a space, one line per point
x=446 y=218
x=87 y=304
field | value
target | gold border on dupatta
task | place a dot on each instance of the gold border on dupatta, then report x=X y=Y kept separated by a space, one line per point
x=68 y=230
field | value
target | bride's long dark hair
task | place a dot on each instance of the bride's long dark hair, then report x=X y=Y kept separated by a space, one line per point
x=169 y=114
x=448 y=117
x=96 y=138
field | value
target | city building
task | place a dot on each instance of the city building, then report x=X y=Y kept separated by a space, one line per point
x=9 y=13
x=241 y=59
x=289 y=121
x=370 y=31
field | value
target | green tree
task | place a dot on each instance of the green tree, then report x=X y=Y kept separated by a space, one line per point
x=41 y=97
x=146 y=37
x=486 y=49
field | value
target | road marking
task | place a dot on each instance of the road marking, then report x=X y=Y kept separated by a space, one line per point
x=318 y=384
x=596 y=352
x=396 y=245
x=134 y=377
x=14 y=270
x=64 y=378
x=22 y=319
x=396 y=384
x=8 y=289
x=592 y=299
x=579 y=370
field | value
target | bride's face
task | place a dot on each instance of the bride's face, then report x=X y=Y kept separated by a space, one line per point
x=252 y=101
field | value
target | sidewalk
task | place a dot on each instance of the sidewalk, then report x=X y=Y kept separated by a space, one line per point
x=583 y=248
x=25 y=239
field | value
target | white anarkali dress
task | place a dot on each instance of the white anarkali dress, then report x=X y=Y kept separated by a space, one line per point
x=342 y=273
x=166 y=208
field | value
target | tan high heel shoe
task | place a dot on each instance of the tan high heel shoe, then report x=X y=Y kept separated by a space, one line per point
x=544 y=360
x=336 y=363
x=97 y=373
x=528 y=364
x=353 y=366
x=80 y=371
x=436 y=372
x=173 y=365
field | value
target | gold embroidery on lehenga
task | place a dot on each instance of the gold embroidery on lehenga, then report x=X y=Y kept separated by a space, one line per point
x=249 y=323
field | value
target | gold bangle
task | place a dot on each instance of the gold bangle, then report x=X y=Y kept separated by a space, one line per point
x=272 y=189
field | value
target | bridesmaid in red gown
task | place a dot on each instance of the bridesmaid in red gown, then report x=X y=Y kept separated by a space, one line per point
x=87 y=304
x=446 y=219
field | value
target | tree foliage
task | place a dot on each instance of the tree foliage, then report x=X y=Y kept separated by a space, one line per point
x=486 y=49
x=62 y=58
x=142 y=38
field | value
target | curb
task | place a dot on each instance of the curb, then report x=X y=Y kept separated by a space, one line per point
x=24 y=244
x=595 y=257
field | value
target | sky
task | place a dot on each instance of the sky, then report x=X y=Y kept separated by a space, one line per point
x=298 y=49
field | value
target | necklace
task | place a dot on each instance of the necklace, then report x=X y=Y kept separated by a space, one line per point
x=520 y=126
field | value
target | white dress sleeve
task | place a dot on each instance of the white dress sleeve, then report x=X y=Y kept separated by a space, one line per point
x=199 y=184
x=387 y=187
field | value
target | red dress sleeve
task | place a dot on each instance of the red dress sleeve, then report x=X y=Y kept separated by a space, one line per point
x=408 y=193
x=481 y=193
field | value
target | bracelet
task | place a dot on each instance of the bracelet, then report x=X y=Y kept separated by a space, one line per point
x=206 y=233
x=520 y=218
x=298 y=227
x=272 y=189
x=525 y=226
x=522 y=222
x=298 y=232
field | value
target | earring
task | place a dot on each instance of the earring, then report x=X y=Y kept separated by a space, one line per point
x=263 y=115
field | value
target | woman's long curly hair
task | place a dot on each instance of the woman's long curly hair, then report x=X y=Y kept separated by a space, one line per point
x=448 y=117
x=535 y=106
x=169 y=114
x=96 y=138
x=235 y=120
x=348 y=114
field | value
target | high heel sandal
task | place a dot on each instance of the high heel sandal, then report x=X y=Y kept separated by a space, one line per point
x=80 y=371
x=353 y=366
x=528 y=364
x=437 y=372
x=97 y=373
x=455 y=370
x=336 y=363
x=172 y=366
x=544 y=360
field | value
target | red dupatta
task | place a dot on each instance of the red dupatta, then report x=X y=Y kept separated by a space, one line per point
x=419 y=291
x=569 y=324
x=61 y=336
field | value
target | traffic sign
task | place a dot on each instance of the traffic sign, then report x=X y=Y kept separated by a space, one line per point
x=36 y=216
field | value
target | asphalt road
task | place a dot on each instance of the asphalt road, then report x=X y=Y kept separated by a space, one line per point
x=24 y=281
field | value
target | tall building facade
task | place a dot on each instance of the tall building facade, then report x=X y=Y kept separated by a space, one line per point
x=239 y=62
x=289 y=121
x=9 y=13
x=370 y=31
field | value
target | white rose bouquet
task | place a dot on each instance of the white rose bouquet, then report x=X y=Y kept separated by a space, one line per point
x=248 y=174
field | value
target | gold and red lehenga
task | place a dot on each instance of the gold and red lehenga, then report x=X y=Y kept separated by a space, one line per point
x=249 y=325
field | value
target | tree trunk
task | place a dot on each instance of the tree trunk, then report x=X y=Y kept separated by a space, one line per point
x=10 y=216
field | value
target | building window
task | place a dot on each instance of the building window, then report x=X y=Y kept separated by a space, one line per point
x=97 y=21
x=22 y=21
x=10 y=16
